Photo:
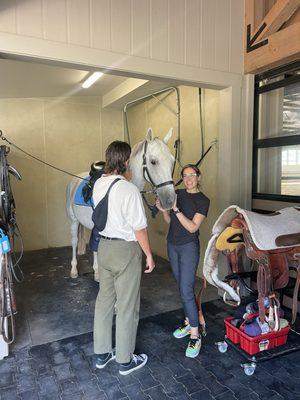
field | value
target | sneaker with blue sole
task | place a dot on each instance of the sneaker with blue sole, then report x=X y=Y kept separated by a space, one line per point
x=103 y=359
x=182 y=331
x=193 y=347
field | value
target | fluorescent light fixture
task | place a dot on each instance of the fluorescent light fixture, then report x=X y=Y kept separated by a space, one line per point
x=91 y=79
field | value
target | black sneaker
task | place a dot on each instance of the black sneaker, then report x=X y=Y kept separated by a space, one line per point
x=102 y=360
x=137 y=362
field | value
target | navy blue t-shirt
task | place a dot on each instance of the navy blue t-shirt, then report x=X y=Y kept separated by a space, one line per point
x=189 y=204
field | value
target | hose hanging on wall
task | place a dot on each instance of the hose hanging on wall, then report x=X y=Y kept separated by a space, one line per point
x=201 y=122
x=154 y=96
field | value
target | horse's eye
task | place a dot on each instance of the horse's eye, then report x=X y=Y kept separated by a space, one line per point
x=153 y=162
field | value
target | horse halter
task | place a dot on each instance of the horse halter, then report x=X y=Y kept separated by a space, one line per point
x=146 y=171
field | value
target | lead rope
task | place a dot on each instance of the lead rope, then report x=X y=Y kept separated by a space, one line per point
x=38 y=159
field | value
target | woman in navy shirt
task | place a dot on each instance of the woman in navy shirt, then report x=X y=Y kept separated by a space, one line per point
x=185 y=218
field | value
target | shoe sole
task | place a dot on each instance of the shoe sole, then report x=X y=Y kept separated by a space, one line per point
x=135 y=368
x=190 y=356
x=181 y=336
x=104 y=365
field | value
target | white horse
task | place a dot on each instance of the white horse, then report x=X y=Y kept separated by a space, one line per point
x=151 y=161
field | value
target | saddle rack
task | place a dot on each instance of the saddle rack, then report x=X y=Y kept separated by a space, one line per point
x=271 y=264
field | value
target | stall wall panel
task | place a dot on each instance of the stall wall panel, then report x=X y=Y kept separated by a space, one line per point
x=111 y=128
x=177 y=31
x=141 y=28
x=8 y=20
x=236 y=44
x=23 y=122
x=121 y=26
x=29 y=18
x=193 y=32
x=55 y=14
x=208 y=34
x=202 y=33
x=72 y=142
x=153 y=114
x=222 y=33
x=79 y=22
x=159 y=30
x=70 y=134
x=100 y=24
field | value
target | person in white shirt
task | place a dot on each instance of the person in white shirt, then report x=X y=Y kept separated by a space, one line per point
x=119 y=258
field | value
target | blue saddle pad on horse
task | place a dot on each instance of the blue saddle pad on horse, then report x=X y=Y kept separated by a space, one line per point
x=78 y=199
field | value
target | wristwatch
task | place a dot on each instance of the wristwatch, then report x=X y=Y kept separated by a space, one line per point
x=177 y=211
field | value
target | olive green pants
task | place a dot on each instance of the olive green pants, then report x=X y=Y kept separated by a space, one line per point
x=120 y=276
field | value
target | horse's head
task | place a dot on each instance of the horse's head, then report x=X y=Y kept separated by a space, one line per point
x=152 y=161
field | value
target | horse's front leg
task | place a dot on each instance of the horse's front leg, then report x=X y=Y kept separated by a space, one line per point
x=74 y=236
x=95 y=267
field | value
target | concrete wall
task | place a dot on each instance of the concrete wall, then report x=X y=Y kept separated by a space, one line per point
x=153 y=114
x=69 y=134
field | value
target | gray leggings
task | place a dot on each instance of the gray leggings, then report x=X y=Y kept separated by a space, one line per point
x=184 y=261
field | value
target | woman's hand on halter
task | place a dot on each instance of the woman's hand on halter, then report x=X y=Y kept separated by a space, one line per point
x=158 y=205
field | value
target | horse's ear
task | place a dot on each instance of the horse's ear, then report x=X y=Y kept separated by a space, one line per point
x=168 y=135
x=149 y=136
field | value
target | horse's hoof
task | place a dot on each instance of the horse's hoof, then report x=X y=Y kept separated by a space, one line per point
x=74 y=275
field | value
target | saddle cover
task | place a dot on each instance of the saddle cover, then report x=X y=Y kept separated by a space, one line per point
x=264 y=228
x=78 y=198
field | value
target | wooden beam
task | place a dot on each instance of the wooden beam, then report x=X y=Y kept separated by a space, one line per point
x=259 y=13
x=249 y=12
x=281 y=11
x=254 y=13
x=282 y=47
x=293 y=20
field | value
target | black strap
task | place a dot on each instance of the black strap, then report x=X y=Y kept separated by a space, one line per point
x=112 y=184
x=197 y=163
x=107 y=193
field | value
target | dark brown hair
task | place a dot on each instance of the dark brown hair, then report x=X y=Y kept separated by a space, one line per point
x=194 y=167
x=116 y=156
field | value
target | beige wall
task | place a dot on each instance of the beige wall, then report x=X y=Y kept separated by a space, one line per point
x=153 y=114
x=69 y=134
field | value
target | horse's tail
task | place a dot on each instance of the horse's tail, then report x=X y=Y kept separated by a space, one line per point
x=81 y=246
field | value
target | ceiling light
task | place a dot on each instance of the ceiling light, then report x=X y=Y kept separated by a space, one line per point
x=91 y=79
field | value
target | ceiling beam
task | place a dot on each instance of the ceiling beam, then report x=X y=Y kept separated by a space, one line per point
x=280 y=48
x=281 y=11
x=294 y=18
x=254 y=13
x=122 y=90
